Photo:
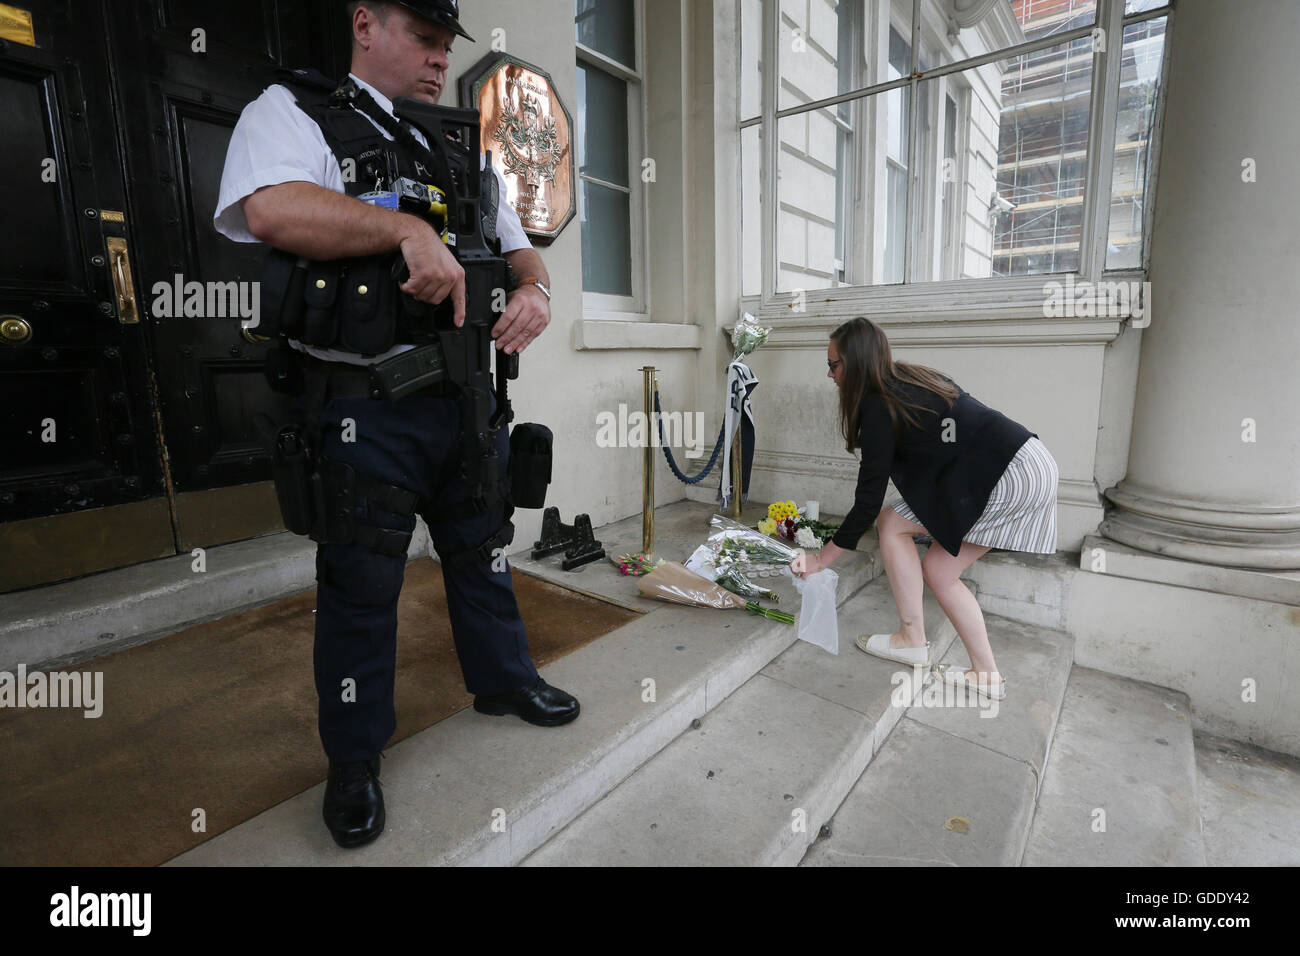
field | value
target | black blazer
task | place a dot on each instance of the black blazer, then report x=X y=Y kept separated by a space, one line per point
x=945 y=470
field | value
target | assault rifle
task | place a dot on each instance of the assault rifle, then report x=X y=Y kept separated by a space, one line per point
x=462 y=356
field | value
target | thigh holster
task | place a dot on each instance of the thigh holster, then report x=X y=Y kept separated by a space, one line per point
x=318 y=496
x=339 y=488
x=527 y=475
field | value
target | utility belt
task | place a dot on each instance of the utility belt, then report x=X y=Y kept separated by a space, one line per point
x=318 y=496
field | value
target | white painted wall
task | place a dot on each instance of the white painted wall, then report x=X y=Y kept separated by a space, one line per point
x=561 y=385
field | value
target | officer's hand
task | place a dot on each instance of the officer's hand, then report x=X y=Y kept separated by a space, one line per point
x=435 y=273
x=527 y=313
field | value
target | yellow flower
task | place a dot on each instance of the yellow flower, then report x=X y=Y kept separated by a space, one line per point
x=780 y=510
x=767 y=526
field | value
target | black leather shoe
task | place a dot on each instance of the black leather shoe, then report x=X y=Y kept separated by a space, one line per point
x=540 y=704
x=354 y=802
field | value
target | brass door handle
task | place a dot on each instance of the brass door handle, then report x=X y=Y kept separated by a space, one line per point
x=14 y=330
x=127 y=312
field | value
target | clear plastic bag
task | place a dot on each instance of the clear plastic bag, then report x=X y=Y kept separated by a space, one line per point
x=818 y=620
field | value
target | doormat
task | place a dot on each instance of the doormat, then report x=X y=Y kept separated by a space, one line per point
x=218 y=722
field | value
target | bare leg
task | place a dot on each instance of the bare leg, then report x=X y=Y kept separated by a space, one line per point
x=942 y=572
x=903 y=568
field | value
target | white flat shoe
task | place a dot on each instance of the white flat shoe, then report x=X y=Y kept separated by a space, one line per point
x=878 y=646
x=958 y=676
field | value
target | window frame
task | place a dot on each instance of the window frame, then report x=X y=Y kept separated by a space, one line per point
x=602 y=305
x=938 y=299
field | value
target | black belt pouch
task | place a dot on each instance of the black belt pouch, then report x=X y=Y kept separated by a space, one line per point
x=530 y=464
x=291 y=468
x=281 y=291
x=319 y=295
x=367 y=312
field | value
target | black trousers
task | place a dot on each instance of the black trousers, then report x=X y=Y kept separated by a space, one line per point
x=411 y=443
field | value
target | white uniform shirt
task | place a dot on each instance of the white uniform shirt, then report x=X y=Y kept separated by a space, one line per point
x=276 y=142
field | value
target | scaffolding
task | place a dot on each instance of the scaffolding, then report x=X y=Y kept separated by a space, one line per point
x=1042 y=150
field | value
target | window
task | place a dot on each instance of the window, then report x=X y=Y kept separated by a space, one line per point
x=609 y=138
x=1139 y=91
x=817 y=149
x=927 y=141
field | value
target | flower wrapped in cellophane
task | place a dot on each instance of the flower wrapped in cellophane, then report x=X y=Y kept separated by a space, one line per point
x=731 y=575
x=671 y=581
x=747 y=336
x=736 y=544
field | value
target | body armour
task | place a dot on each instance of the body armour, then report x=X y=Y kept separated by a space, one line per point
x=355 y=304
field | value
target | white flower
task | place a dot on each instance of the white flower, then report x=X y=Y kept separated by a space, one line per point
x=804 y=538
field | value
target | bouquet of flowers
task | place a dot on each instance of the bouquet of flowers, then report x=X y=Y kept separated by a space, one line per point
x=706 y=562
x=747 y=336
x=786 y=520
x=732 y=577
x=637 y=564
x=671 y=581
x=735 y=543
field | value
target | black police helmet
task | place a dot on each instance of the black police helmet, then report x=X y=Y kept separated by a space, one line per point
x=442 y=12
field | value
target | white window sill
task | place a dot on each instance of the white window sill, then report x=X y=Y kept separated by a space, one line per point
x=1010 y=310
x=618 y=333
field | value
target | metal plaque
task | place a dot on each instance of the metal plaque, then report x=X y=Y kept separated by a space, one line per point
x=530 y=134
x=16 y=25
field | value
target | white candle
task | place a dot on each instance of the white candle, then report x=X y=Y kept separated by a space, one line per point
x=812 y=511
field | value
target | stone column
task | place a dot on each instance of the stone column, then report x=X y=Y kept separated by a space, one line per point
x=1220 y=361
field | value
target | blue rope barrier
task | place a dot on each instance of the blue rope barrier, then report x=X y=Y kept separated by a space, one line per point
x=672 y=465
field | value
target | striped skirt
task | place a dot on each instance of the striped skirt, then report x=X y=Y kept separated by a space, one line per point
x=1021 y=512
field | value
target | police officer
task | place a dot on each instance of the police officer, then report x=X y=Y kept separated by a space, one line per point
x=283 y=185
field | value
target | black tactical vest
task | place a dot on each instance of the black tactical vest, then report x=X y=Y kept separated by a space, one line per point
x=354 y=304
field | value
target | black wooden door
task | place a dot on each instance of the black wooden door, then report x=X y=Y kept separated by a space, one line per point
x=78 y=438
x=154 y=449
x=185 y=69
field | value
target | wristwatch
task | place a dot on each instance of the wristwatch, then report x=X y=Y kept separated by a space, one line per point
x=537 y=282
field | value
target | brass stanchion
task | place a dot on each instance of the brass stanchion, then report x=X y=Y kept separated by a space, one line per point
x=735 y=474
x=648 y=465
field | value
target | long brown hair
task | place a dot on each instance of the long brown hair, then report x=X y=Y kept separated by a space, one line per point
x=869 y=367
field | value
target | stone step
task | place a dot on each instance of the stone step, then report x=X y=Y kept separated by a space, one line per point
x=474 y=789
x=954 y=785
x=752 y=784
x=1250 y=803
x=62 y=624
x=1121 y=785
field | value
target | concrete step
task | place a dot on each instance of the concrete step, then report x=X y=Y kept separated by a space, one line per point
x=1121 y=784
x=62 y=624
x=955 y=783
x=1250 y=803
x=752 y=784
x=474 y=789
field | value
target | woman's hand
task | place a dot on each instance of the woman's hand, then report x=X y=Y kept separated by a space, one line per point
x=806 y=564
